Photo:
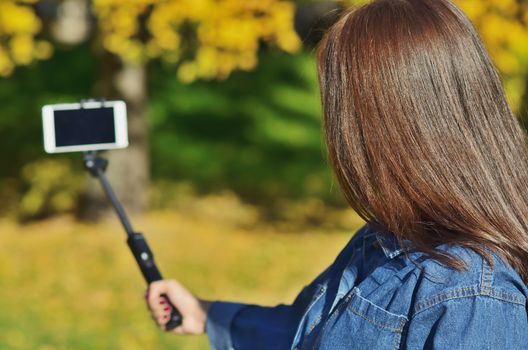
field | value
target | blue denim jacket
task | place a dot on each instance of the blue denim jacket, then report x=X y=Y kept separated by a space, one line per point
x=375 y=297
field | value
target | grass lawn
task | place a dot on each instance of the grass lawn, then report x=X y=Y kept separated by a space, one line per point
x=66 y=285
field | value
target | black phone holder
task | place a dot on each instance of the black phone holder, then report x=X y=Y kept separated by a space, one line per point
x=96 y=166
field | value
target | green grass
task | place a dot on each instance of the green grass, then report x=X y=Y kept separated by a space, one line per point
x=66 y=285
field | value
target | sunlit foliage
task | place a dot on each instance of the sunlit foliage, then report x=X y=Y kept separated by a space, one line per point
x=52 y=188
x=503 y=25
x=210 y=38
x=18 y=27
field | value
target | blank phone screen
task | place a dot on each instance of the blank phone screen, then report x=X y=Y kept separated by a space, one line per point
x=84 y=126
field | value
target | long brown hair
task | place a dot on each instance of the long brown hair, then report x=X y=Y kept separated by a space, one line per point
x=419 y=133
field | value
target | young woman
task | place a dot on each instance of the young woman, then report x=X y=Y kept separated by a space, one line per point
x=427 y=151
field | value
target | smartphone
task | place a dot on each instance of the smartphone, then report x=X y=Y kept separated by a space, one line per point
x=90 y=126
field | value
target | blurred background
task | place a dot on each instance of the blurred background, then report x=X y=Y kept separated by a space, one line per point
x=226 y=173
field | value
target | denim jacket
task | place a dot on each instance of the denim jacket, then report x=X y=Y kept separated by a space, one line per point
x=375 y=297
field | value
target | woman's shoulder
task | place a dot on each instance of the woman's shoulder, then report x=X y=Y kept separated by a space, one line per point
x=419 y=282
x=437 y=283
x=483 y=306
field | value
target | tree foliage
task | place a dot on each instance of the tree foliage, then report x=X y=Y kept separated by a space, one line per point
x=503 y=25
x=256 y=133
x=19 y=26
x=208 y=39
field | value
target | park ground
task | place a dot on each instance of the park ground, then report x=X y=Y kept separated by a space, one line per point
x=68 y=285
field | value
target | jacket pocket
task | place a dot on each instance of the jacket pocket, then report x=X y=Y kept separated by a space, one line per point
x=360 y=324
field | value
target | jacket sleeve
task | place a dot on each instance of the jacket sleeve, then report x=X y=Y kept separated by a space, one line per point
x=473 y=322
x=252 y=327
x=245 y=326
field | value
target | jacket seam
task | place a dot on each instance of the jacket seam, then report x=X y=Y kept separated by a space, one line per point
x=486 y=277
x=468 y=292
x=401 y=318
x=379 y=307
x=316 y=298
x=314 y=324
x=399 y=329
x=318 y=319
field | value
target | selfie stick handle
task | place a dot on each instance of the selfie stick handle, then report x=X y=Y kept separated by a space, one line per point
x=96 y=166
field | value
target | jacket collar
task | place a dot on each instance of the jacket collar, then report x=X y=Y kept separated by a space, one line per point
x=390 y=245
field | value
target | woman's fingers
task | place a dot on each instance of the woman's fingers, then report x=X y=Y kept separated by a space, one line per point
x=161 y=314
x=194 y=314
x=157 y=304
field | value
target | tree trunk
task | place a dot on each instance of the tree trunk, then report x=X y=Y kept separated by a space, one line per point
x=129 y=172
x=128 y=169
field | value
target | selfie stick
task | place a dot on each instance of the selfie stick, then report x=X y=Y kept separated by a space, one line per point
x=96 y=166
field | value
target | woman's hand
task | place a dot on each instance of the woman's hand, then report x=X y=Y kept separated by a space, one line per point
x=192 y=309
